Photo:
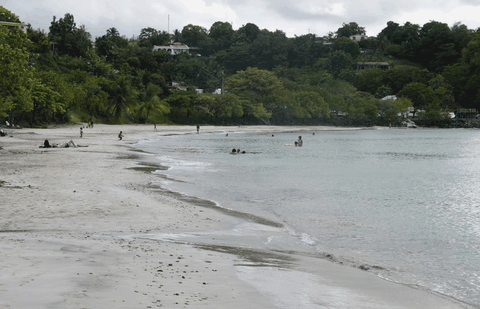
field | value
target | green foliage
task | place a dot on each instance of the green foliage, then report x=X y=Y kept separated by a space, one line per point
x=337 y=62
x=112 y=46
x=222 y=35
x=6 y=15
x=401 y=75
x=350 y=29
x=383 y=91
x=149 y=37
x=40 y=43
x=227 y=106
x=420 y=94
x=45 y=100
x=151 y=103
x=260 y=82
x=17 y=79
x=436 y=47
x=346 y=45
x=197 y=36
x=123 y=98
x=389 y=109
x=68 y=39
x=265 y=76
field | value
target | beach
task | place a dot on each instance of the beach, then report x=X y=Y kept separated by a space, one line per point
x=85 y=227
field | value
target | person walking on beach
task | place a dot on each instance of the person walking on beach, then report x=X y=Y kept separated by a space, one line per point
x=120 y=135
x=198 y=128
x=155 y=126
x=81 y=132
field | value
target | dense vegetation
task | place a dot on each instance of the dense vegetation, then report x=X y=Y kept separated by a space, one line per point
x=264 y=76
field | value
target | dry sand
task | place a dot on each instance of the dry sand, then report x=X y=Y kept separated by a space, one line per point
x=79 y=228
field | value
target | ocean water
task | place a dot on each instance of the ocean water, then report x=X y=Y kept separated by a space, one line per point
x=404 y=204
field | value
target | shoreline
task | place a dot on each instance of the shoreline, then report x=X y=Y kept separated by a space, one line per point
x=83 y=227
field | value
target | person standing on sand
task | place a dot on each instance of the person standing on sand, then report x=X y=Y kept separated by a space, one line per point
x=81 y=132
x=120 y=135
x=198 y=128
x=155 y=126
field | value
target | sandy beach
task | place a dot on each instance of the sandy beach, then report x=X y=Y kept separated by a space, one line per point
x=84 y=227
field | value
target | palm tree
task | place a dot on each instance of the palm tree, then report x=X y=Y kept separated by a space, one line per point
x=123 y=98
x=152 y=103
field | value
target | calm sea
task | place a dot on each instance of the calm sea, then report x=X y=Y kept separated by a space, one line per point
x=403 y=203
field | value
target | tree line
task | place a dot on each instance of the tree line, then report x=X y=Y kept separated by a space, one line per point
x=265 y=77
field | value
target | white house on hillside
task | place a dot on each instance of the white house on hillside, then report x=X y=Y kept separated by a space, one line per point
x=174 y=49
x=18 y=25
x=358 y=37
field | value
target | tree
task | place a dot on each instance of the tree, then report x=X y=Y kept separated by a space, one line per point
x=46 y=101
x=150 y=102
x=6 y=15
x=260 y=82
x=123 y=98
x=110 y=45
x=338 y=61
x=346 y=45
x=68 y=39
x=303 y=51
x=409 y=37
x=390 y=33
x=420 y=94
x=39 y=39
x=350 y=29
x=369 y=80
x=465 y=76
x=196 y=36
x=16 y=81
x=461 y=36
x=401 y=75
x=383 y=91
x=269 y=49
x=183 y=109
x=436 y=47
x=246 y=34
x=221 y=33
x=254 y=86
x=389 y=109
x=149 y=37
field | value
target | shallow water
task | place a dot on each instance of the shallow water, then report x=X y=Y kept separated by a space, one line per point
x=403 y=203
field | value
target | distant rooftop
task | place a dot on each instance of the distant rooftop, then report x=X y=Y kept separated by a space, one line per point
x=174 y=48
x=373 y=65
x=19 y=25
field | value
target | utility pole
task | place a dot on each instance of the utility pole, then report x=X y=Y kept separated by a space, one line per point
x=222 y=82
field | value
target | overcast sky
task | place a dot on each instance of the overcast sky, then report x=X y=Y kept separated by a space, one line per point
x=295 y=17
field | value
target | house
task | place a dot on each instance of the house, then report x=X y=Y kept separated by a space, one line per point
x=18 y=25
x=358 y=37
x=173 y=49
x=373 y=65
x=389 y=97
x=465 y=113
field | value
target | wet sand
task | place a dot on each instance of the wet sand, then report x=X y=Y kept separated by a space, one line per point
x=87 y=227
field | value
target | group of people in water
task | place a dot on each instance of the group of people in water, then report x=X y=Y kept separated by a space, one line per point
x=237 y=151
x=298 y=143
